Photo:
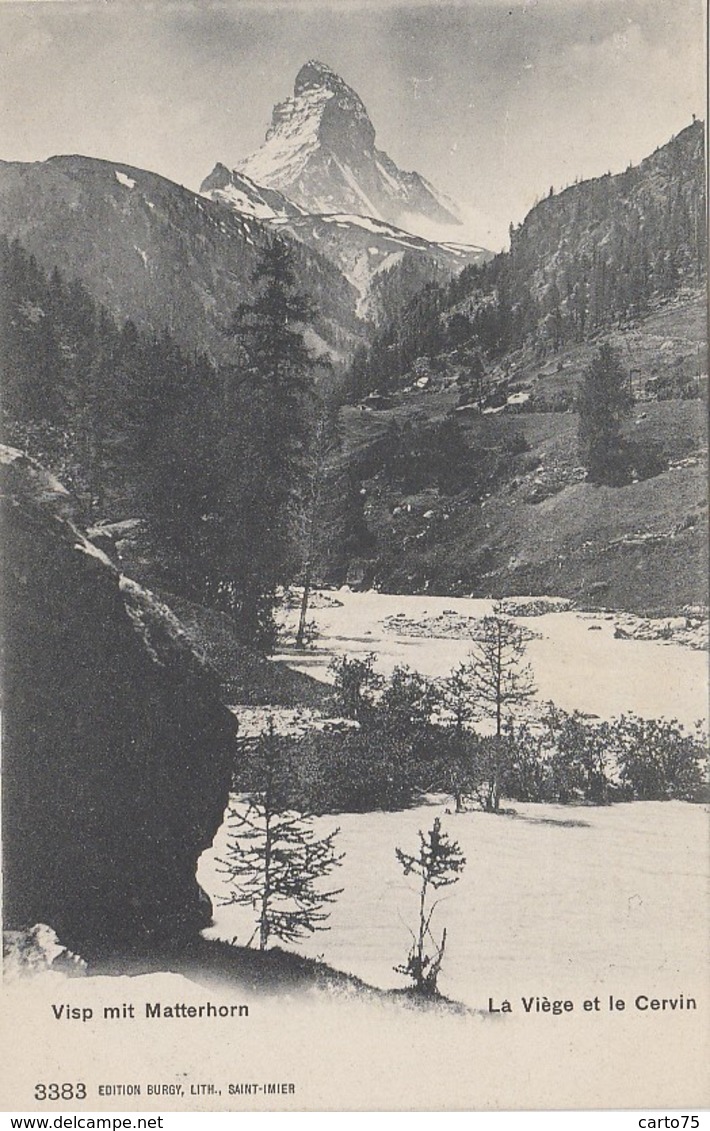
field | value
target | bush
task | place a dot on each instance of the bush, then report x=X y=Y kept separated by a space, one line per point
x=571 y=759
x=455 y=763
x=645 y=459
x=354 y=772
x=396 y=752
x=528 y=773
x=354 y=685
x=578 y=763
x=383 y=763
x=408 y=701
x=658 y=760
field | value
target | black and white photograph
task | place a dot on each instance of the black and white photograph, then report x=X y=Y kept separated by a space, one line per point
x=354 y=599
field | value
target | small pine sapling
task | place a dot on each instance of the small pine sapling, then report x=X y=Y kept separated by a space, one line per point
x=438 y=864
x=275 y=861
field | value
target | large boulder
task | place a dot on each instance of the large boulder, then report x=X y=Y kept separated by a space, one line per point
x=117 y=751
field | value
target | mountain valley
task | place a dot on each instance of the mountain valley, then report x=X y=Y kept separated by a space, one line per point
x=360 y=246
x=457 y=373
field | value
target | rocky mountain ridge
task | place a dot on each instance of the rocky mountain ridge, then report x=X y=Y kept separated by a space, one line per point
x=360 y=246
x=592 y=259
x=152 y=251
x=605 y=247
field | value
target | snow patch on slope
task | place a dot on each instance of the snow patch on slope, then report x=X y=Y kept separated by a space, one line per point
x=239 y=200
x=387 y=177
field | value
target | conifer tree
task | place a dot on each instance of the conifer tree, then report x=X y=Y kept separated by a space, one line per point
x=438 y=864
x=275 y=862
x=501 y=679
x=501 y=684
x=262 y=455
x=603 y=404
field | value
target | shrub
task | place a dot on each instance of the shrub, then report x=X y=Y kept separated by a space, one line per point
x=658 y=760
x=578 y=763
x=355 y=682
x=408 y=700
x=645 y=459
x=528 y=774
x=356 y=772
x=456 y=761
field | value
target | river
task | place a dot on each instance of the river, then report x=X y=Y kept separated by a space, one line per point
x=554 y=899
x=577 y=661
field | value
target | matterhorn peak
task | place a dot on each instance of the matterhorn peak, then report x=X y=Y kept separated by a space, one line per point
x=315 y=74
x=320 y=152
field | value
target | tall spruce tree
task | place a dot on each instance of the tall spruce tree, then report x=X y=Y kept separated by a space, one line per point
x=603 y=404
x=261 y=457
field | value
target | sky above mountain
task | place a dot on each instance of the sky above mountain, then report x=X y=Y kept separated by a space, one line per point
x=492 y=101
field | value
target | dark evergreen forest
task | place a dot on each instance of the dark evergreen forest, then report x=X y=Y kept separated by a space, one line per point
x=211 y=459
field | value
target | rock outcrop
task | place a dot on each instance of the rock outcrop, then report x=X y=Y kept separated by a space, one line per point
x=117 y=751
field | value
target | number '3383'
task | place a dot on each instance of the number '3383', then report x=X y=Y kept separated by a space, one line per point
x=60 y=1091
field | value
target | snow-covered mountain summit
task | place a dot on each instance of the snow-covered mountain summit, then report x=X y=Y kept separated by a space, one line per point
x=320 y=152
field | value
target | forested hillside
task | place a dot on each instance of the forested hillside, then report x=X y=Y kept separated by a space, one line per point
x=196 y=468
x=585 y=260
x=231 y=472
x=155 y=252
x=478 y=473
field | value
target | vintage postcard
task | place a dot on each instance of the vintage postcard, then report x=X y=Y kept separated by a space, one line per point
x=355 y=532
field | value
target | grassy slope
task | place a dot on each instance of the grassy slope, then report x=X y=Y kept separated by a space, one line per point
x=668 y=343
x=641 y=547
